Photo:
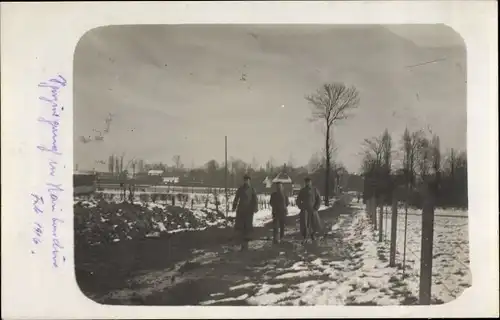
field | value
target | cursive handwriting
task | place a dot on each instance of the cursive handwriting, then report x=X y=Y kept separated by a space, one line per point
x=55 y=133
x=55 y=85
x=37 y=202
x=36 y=206
x=54 y=190
x=50 y=118
x=56 y=244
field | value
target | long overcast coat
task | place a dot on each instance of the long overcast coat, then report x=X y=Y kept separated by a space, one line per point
x=245 y=204
x=279 y=204
x=309 y=202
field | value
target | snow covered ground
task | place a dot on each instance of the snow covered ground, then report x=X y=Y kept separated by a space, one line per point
x=349 y=268
x=451 y=271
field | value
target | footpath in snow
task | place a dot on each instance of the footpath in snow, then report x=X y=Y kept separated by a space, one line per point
x=345 y=268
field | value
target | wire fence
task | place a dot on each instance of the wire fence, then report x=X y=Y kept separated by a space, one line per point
x=450 y=258
x=214 y=198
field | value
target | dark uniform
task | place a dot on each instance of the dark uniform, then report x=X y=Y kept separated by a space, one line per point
x=245 y=204
x=279 y=204
x=309 y=202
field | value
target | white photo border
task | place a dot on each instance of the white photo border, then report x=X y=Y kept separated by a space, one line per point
x=38 y=43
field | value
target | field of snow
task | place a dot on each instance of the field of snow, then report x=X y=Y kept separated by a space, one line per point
x=451 y=272
x=99 y=221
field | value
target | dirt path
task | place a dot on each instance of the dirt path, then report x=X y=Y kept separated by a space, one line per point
x=205 y=267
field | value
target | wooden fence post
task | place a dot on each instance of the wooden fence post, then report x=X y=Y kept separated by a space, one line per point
x=426 y=247
x=369 y=209
x=385 y=223
x=381 y=222
x=374 y=212
x=394 y=230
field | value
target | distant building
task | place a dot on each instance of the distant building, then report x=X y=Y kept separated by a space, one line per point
x=170 y=180
x=267 y=183
x=155 y=172
x=286 y=182
x=282 y=177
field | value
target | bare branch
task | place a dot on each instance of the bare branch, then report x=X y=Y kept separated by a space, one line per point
x=332 y=101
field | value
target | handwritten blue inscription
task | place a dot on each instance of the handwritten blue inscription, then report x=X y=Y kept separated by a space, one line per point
x=56 y=244
x=54 y=85
x=54 y=190
x=37 y=202
x=50 y=119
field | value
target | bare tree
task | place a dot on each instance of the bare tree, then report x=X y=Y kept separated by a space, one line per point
x=387 y=163
x=291 y=161
x=374 y=150
x=435 y=154
x=177 y=162
x=340 y=175
x=255 y=164
x=330 y=104
x=373 y=164
x=315 y=162
x=387 y=149
x=424 y=160
x=270 y=164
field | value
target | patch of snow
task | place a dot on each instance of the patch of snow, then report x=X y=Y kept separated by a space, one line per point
x=242 y=297
x=242 y=286
x=299 y=274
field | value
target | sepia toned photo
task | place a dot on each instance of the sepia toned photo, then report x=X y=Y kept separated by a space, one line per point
x=264 y=165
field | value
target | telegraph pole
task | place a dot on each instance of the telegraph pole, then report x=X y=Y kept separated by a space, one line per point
x=225 y=175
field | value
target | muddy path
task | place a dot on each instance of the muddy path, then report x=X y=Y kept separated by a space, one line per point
x=206 y=267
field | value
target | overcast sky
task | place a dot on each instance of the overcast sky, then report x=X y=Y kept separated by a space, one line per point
x=178 y=90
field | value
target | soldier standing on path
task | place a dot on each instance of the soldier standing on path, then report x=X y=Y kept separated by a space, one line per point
x=245 y=204
x=309 y=202
x=279 y=204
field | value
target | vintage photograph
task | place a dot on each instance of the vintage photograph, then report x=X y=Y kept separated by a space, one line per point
x=263 y=165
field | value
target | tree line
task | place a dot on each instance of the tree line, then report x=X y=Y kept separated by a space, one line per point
x=421 y=164
x=213 y=173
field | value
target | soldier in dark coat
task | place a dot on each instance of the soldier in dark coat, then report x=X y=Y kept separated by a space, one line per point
x=279 y=204
x=245 y=204
x=309 y=202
